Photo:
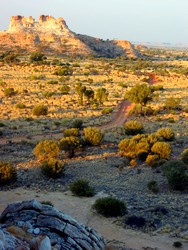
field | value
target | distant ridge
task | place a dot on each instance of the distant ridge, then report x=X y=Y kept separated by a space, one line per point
x=53 y=36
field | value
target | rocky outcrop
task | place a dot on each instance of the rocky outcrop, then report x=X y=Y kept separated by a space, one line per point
x=35 y=226
x=53 y=35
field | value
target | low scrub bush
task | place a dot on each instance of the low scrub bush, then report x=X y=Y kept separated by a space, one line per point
x=166 y=134
x=9 y=92
x=138 y=110
x=152 y=186
x=162 y=149
x=93 y=135
x=40 y=109
x=133 y=127
x=184 y=156
x=82 y=188
x=46 y=149
x=52 y=168
x=20 y=106
x=175 y=172
x=71 y=132
x=177 y=244
x=70 y=144
x=53 y=82
x=109 y=207
x=151 y=160
x=7 y=173
x=65 y=89
x=107 y=111
x=77 y=123
x=172 y=103
x=135 y=221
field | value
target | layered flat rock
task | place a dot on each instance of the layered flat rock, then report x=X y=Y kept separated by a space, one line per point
x=32 y=225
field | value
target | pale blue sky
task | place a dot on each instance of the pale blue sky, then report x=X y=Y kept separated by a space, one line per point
x=134 y=20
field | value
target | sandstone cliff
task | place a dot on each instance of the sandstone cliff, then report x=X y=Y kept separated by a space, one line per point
x=53 y=35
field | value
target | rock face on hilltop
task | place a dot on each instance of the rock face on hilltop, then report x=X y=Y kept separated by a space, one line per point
x=32 y=225
x=53 y=35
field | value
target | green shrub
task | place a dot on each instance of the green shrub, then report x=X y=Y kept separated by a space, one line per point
x=151 y=160
x=152 y=186
x=48 y=94
x=64 y=89
x=70 y=144
x=138 y=110
x=110 y=207
x=177 y=244
x=184 y=156
x=77 y=123
x=46 y=149
x=162 y=149
x=172 y=103
x=52 y=168
x=40 y=109
x=36 y=57
x=107 y=111
x=133 y=127
x=71 y=132
x=171 y=165
x=7 y=173
x=53 y=82
x=81 y=188
x=20 y=106
x=93 y=135
x=166 y=134
x=8 y=92
x=177 y=180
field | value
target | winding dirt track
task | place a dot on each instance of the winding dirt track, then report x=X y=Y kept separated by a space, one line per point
x=117 y=120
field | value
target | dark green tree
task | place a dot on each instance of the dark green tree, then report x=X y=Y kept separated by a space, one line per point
x=101 y=95
x=139 y=94
x=80 y=90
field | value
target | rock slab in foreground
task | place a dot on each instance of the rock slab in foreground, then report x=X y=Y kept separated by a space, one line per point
x=32 y=225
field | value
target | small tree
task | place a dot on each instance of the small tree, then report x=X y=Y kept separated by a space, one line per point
x=36 y=57
x=46 y=149
x=140 y=94
x=80 y=90
x=101 y=95
x=93 y=135
x=89 y=94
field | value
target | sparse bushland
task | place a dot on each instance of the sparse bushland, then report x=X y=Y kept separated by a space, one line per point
x=93 y=136
x=8 y=173
x=110 y=207
x=40 y=109
x=82 y=188
x=133 y=127
x=63 y=71
x=166 y=134
x=70 y=144
x=52 y=168
x=46 y=149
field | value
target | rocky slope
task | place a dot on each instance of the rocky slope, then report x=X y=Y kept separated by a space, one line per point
x=53 y=35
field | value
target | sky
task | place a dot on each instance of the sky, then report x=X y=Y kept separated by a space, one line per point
x=133 y=20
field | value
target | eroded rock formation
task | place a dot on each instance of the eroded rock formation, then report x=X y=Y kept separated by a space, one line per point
x=53 y=35
x=35 y=226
